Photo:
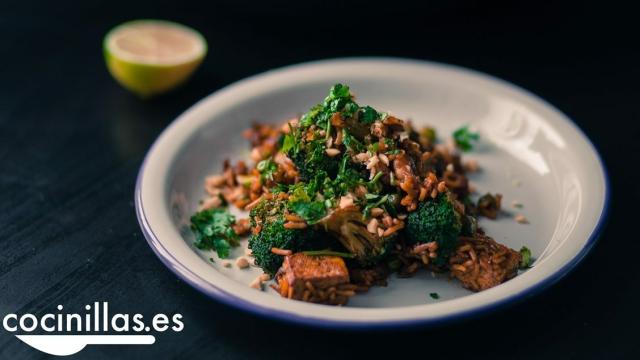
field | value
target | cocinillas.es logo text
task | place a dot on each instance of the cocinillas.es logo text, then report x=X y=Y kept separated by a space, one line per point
x=65 y=333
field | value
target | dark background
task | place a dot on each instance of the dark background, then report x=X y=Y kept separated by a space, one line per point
x=72 y=140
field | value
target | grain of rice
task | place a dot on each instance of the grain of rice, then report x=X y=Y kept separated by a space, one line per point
x=345 y=201
x=384 y=158
x=256 y=284
x=459 y=267
x=293 y=217
x=242 y=263
x=294 y=225
x=375 y=212
x=423 y=193
x=253 y=204
x=373 y=161
x=372 y=226
x=309 y=286
x=392 y=229
x=283 y=252
x=345 y=292
x=362 y=157
x=387 y=220
x=521 y=219
x=471 y=165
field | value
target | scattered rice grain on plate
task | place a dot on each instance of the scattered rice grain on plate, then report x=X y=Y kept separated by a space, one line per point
x=242 y=263
x=521 y=219
x=256 y=283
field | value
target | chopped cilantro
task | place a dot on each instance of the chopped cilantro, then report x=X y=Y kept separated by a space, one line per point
x=213 y=231
x=434 y=295
x=526 y=260
x=373 y=148
x=368 y=115
x=464 y=138
x=351 y=142
x=310 y=211
x=267 y=168
x=288 y=143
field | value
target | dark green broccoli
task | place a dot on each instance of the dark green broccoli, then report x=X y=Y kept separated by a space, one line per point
x=435 y=220
x=306 y=144
x=350 y=229
x=311 y=159
x=268 y=217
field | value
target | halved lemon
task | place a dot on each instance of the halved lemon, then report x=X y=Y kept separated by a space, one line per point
x=150 y=57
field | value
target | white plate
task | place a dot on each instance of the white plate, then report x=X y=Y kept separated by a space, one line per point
x=529 y=152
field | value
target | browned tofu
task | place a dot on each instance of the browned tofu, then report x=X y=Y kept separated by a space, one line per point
x=481 y=263
x=313 y=278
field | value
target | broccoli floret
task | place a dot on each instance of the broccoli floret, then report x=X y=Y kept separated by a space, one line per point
x=312 y=159
x=350 y=229
x=435 y=220
x=268 y=216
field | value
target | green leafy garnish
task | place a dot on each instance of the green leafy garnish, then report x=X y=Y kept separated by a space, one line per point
x=351 y=142
x=526 y=259
x=368 y=115
x=288 y=143
x=310 y=211
x=267 y=168
x=464 y=138
x=213 y=231
x=328 y=253
x=434 y=295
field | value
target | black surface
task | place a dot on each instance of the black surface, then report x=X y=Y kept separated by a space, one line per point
x=71 y=143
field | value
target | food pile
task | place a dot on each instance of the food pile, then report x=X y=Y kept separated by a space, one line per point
x=345 y=195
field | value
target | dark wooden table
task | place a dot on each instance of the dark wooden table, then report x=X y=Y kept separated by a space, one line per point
x=71 y=143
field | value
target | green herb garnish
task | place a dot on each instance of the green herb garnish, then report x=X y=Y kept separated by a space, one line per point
x=288 y=143
x=368 y=115
x=434 y=295
x=311 y=211
x=267 y=168
x=464 y=138
x=526 y=260
x=213 y=231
